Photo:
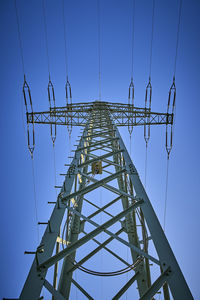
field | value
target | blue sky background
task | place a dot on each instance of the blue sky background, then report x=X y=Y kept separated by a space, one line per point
x=18 y=224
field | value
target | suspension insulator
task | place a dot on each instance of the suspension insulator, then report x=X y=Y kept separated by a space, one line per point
x=51 y=95
x=27 y=96
x=131 y=93
x=31 y=146
x=69 y=106
x=68 y=92
x=170 y=110
x=131 y=105
x=171 y=98
x=169 y=136
x=52 y=106
x=53 y=133
x=30 y=118
x=69 y=118
x=148 y=95
x=146 y=133
x=130 y=126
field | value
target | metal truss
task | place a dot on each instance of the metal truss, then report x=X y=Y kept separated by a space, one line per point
x=102 y=144
x=77 y=114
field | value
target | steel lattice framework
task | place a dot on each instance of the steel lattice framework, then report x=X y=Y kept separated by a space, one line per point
x=77 y=114
x=102 y=150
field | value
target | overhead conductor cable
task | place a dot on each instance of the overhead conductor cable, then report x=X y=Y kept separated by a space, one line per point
x=131 y=85
x=148 y=95
x=99 y=46
x=171 y=111
x=28 y=106
x=50 y=87
x=68 y=90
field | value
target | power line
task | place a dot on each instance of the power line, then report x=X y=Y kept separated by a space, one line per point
x=35 y=198
x=99 y=46
x=132 y=33
x=19 y=37
x=152 y=31
x=54 y=163
x=33 y=173
x=46 y=39
x=145 y=173
x=178 y=33
x=65 y=41
x=149 y=94
x=166 y=194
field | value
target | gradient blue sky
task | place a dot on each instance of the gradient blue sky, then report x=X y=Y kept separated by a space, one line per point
x=18 y=224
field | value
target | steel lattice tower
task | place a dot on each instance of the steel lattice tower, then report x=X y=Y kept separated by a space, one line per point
x=101 y=160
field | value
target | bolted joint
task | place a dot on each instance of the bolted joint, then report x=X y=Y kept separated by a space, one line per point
x=132 y=169
x=71 y=170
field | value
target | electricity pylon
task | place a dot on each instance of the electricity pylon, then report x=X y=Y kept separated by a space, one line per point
x=101 y=160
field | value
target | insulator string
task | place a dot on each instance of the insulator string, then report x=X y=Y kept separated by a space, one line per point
x=19 y=37
x=132 y=34
x=152 y=32
x=46 y=39
x=65 y=40
x=166 y=194
x=99 y=46
x=178 y=34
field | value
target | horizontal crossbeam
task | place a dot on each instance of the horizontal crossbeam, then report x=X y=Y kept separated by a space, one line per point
x=77 y=114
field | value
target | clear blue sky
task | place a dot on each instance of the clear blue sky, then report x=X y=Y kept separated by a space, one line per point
x=18 y=224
